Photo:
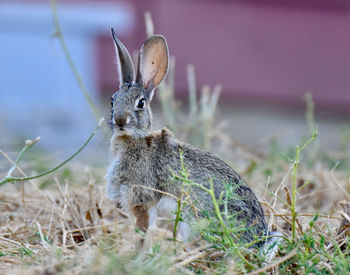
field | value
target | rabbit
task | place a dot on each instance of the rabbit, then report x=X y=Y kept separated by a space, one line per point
x=140 y=178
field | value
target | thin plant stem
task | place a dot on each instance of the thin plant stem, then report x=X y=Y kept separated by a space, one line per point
x=224 y=227
x=218 y=214
x=178 y=210
x=177 y=219
x=295 y=171
x=184 y=178
x=27 y=146
x=77 y=76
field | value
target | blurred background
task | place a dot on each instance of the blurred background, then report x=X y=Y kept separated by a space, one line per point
x=265 y=54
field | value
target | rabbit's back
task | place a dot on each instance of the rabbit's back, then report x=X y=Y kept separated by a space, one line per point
x=242 y=204
x=203 y=167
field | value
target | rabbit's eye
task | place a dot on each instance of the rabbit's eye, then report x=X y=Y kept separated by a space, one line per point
x=141 y=104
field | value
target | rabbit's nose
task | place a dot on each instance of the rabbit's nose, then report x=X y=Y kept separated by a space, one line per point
x=120 y=121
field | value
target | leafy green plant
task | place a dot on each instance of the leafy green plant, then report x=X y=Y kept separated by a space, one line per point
x=220 y=231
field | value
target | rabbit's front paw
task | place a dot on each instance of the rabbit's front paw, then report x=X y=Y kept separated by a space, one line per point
x=119 y=193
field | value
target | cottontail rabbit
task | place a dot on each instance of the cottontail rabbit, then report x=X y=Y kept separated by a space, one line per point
x=144 y=160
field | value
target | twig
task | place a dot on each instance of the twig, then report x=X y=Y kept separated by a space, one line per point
x=162 y=192
x=305 y=215
x=74 y=214
x=93 y=227
x=272 y=265
x=11 y=241
x=274 y=211
x=346 y=216
x=36 y=216
x=346 y=193
x=45 y=244
x=193 y=252
x=190 y=259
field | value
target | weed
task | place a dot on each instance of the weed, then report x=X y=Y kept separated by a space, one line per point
x=299 y=149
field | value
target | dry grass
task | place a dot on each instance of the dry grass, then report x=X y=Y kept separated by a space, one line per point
x=71 y=227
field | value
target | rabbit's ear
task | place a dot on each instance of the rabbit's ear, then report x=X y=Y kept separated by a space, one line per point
x=125 y=64
x=153 y=63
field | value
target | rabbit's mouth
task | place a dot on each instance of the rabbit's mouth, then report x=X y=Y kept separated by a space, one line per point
x=130 y=132
x=121 y=131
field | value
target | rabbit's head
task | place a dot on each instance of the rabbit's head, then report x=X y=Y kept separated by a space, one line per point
x=131 y=113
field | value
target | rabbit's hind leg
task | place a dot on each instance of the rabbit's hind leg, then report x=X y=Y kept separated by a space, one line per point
x=161 y=215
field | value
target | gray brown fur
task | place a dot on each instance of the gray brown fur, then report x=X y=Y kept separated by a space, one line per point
x=146 y=158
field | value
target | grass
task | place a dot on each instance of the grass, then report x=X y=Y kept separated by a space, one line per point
x=56 y=229
x=81 y=231
x=72 y=227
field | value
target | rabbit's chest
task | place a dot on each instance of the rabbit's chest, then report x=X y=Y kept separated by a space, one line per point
x=135 y=169
x=131 y=182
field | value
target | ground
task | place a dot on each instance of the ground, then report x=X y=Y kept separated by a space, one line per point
x=64 y=223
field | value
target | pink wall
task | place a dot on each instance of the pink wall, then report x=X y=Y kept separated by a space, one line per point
x=274 y=51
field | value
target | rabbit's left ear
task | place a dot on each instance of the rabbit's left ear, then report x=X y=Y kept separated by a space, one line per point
x=153 y=63
x=125 y=65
